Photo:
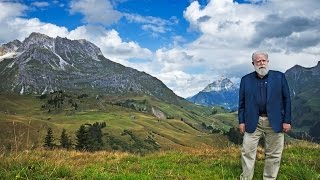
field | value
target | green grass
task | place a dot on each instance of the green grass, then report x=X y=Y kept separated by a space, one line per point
x=24 y=124
x=300 y=161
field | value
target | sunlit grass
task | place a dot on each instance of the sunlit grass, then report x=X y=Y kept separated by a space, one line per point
x=300 y=161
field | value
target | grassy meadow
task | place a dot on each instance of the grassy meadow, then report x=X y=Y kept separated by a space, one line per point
x=300 y=161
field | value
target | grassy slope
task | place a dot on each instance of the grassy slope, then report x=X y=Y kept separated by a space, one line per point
x=24 y=124
x=300 y=161
x=306 y=108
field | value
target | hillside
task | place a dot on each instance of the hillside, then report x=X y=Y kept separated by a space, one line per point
x=24 y=120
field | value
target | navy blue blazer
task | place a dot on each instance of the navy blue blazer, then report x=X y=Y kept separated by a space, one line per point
x=278 y=101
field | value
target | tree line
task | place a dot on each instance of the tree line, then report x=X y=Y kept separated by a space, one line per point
x=89 y=137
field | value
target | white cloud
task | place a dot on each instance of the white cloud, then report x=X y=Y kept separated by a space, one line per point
x=96 y=11
x=256 y=1
x=283 y=61
x=174 y=59
x=155 y=25
x=153 y=28
x=184 y=84
x=177 y=40
x=60 y=4
x=24 y=27
x=9 y=10
x=15 y=27
x=40 y=4
x=111 y=43
x=222 y=22
x=19 y=28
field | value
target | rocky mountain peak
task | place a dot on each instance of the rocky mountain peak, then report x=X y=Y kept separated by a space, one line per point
x=59 y=51
x=37 y=35
x=221 y=92
x=43 y=64
x=37 y=40
x=10 y=47
x=221 y=84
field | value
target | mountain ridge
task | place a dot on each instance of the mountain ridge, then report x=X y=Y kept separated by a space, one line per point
x=41 y=64
x=304 y=90
x=221 y=92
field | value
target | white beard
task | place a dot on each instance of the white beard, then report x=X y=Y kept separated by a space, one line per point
x=262 y=71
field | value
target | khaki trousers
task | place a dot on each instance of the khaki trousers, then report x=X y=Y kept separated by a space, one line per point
x=274 y=143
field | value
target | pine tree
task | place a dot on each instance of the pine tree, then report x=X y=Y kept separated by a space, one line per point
x=89 y=137
x=65 y=140
x=82 y=138
x=95 y=142
x=48 y=141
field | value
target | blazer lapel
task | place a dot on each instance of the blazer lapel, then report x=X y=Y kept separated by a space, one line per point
x=269 y=85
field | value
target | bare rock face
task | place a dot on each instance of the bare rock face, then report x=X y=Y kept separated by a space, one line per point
x=10 y=47
x=158 y=113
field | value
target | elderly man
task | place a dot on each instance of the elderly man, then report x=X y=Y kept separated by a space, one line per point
x=264 y=110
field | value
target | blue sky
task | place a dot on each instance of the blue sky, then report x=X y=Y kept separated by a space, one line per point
x=185 y=43
x=171 y=11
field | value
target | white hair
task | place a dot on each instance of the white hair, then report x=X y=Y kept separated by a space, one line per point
x=259 y=53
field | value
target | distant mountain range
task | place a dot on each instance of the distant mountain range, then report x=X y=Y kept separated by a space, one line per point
x=221 y=92
x=41 y=64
